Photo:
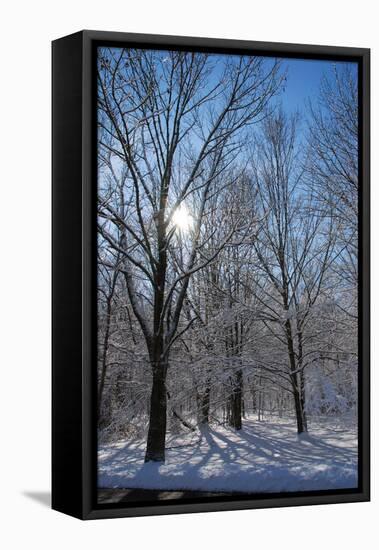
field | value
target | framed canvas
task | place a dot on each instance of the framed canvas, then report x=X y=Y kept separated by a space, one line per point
x=210 y=275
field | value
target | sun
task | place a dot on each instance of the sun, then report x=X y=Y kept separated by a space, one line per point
x=182 y=218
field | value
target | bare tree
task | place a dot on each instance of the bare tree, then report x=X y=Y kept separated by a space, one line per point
x=294 y=248
x=332 y=164
x=107 y=288
x=173 y=124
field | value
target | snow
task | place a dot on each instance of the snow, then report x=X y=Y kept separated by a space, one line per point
x=265 y=456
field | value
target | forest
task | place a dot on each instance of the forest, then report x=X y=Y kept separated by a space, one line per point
x=227 y=273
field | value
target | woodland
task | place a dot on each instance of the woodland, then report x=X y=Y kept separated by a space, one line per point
x=227 y=272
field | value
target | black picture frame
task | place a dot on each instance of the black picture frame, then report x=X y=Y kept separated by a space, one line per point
x=74 y=266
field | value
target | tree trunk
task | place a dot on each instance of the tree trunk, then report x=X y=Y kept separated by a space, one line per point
x=302 y=401
x=301 y=376
x=299 y=410
x=254 y=399
x=203 y=405
x=104 y=360
x=296 y=386
x=235 y=419
x=156 y=438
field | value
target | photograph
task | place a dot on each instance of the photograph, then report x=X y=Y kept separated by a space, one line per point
x=189 y=321
x=227 y=274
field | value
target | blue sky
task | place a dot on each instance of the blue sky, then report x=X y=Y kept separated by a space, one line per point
x=304 y=77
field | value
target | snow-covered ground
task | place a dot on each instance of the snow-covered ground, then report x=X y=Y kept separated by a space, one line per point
x=264 y=456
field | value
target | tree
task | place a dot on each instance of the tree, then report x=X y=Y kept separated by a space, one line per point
x=333 y=164
x=294 y=247
x=173 y=127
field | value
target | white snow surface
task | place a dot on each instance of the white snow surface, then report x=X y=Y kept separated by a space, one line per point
x=266 y=456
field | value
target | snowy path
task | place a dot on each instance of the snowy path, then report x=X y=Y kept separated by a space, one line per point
x=262 y=457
